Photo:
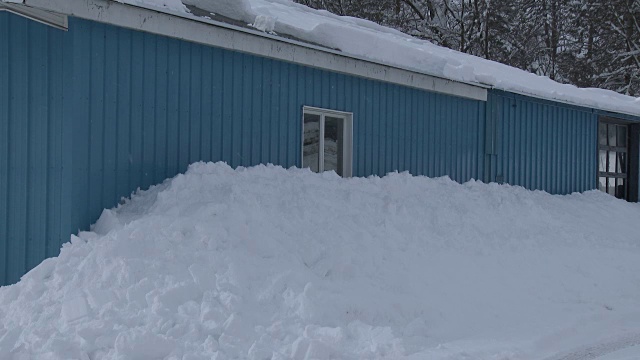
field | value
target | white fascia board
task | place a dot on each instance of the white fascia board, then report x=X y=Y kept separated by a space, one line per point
x=568 y=102
x=199 y=30
x=53 y=19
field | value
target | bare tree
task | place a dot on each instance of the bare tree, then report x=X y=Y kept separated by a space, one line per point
x=589 y=43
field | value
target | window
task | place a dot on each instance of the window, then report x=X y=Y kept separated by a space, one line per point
x=613 y=164
x=327 y=140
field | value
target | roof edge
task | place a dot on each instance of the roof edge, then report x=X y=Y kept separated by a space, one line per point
x=49 y=18
x=599 y=110
x=208 y=32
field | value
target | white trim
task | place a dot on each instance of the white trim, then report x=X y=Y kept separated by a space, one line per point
x=568 y=102
x=208 y=32
x=318 y=111
x=57 y=21
x=321 y=143
x=347 y=146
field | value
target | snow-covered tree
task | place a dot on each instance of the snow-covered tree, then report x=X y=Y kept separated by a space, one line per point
x=589 y=43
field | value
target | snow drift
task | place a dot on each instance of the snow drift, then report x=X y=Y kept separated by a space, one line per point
x=269 y=263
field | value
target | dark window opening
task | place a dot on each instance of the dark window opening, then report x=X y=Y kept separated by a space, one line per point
x=613 y=164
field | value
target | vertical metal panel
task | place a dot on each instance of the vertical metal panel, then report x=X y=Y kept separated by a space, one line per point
x=256 y=90
x=38 y=128
x=545 y=146
x=30 y=144
x=55 y=193
x=18 y=150
x=4 y=144
x=110 y=128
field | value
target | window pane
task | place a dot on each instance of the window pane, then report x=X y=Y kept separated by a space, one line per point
x=311 y=142
x=603 y=161
x=612 y=135
x=621 y=164
x=602 y=184
x=621 y=192
x=612 y=186
x=602 y=134
x=333 y=142
x=611 y=167
x=622 y=136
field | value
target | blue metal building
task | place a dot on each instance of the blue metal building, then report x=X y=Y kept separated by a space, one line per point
x=98 y=99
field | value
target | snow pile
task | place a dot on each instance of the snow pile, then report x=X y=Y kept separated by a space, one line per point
x=269 y=263
x=233 y=9
x=365 y=39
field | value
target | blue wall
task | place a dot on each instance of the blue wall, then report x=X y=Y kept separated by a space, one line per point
x=143 y=107
x=541 y=145
x=91 y=114
x=32 y=173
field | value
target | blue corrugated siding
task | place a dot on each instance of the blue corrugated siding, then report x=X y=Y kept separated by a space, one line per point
x=544 y=146
x=89 y=115
x=146 y=106
x=4 y=145
x=31 y=224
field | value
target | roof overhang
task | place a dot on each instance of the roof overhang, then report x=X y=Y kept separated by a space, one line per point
x=56 y=20
x=625 y=115
x=208 y=32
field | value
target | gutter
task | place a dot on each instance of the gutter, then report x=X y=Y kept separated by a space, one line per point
x=55 y=20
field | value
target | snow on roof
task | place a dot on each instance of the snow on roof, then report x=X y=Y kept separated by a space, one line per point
x=365 y=39
x=171 y=5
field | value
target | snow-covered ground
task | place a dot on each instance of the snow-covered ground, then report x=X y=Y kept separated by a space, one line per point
x=269 y=263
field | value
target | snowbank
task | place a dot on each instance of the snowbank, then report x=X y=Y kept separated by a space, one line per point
x=269 y=263
x=362 y=38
